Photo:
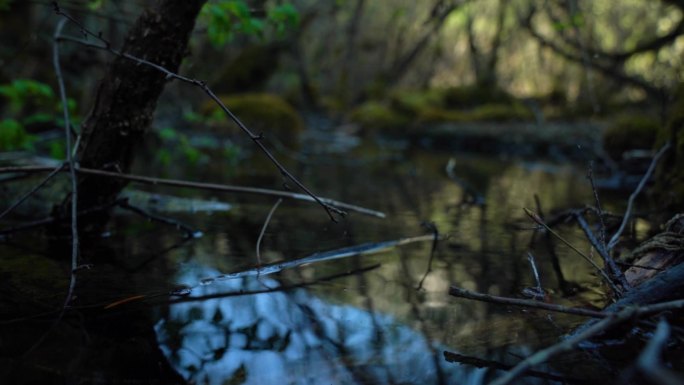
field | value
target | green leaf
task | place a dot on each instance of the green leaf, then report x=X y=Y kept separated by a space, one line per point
x=13 y=136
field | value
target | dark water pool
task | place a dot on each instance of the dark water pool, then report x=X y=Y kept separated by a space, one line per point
x=383 y=316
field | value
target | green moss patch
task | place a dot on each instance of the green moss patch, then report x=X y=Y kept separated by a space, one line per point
x=378 y=116
x=261 y=113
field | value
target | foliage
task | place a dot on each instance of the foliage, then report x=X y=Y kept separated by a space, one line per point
x=13 y=136
x=30 y=103
x=226 y=18
x=171 y=138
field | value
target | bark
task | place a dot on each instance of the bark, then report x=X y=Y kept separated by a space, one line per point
x=127 y=96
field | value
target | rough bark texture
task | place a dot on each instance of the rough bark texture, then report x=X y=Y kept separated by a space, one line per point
x=128 y=94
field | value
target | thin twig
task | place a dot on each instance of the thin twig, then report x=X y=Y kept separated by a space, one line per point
x=467 y=294
x=539 y=291
x=74 y=188
x=608 y=261
x=257 y=139
x=263 y=230
x=435 y=233
x=628 y=213
x=272 y=290
x=599 y=210
x=603 y=274
x=201 y=186
x=32 y=191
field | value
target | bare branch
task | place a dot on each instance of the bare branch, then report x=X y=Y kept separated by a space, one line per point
x=630 y=203
x=330 y=210
x=202 y=186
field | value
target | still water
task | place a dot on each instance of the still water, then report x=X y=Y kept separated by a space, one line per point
x=390 y=323
x=374 y=313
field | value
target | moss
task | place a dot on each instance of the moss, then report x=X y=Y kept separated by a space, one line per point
x=474 y=95
x=501 y=113
x=483 y=113
x=436 y=115
x=250 y=70
x=261 y=113
x=630 y=132
x=378 y=116
x=413 y=102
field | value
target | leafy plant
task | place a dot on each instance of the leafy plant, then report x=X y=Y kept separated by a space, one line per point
x=227 y=18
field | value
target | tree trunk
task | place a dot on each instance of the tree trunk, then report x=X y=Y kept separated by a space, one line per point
x=127 y=96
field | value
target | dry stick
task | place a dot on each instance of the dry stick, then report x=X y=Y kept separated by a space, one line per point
x=32 y=191
x=530 y=258
x=171 y=75
x=608 y=261
x=649 y=360
x=263 y=230
x=616 y=237
x=568 y=344
x=361 y=270
x=590 y=176
x=202 y=186
x=467 y=294
x=74 y=189
x=603 y=274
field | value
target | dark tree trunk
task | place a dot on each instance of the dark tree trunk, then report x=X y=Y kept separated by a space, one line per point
x=127 y=96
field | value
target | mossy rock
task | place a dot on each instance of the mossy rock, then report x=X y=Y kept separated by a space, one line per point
x=485 y=113
x=630 y=132
x=261 y=113
x=494 y=112
x=250 y=69
x=475 y=95
x=439 y=115
x=669 y=176
x=378 y=116
x=414 y=102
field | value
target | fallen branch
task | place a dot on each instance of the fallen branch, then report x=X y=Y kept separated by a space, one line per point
x=202 y=186
x=610 y=320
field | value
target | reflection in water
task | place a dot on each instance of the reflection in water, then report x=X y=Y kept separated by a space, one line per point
x=377 y=328
x=295 y=338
